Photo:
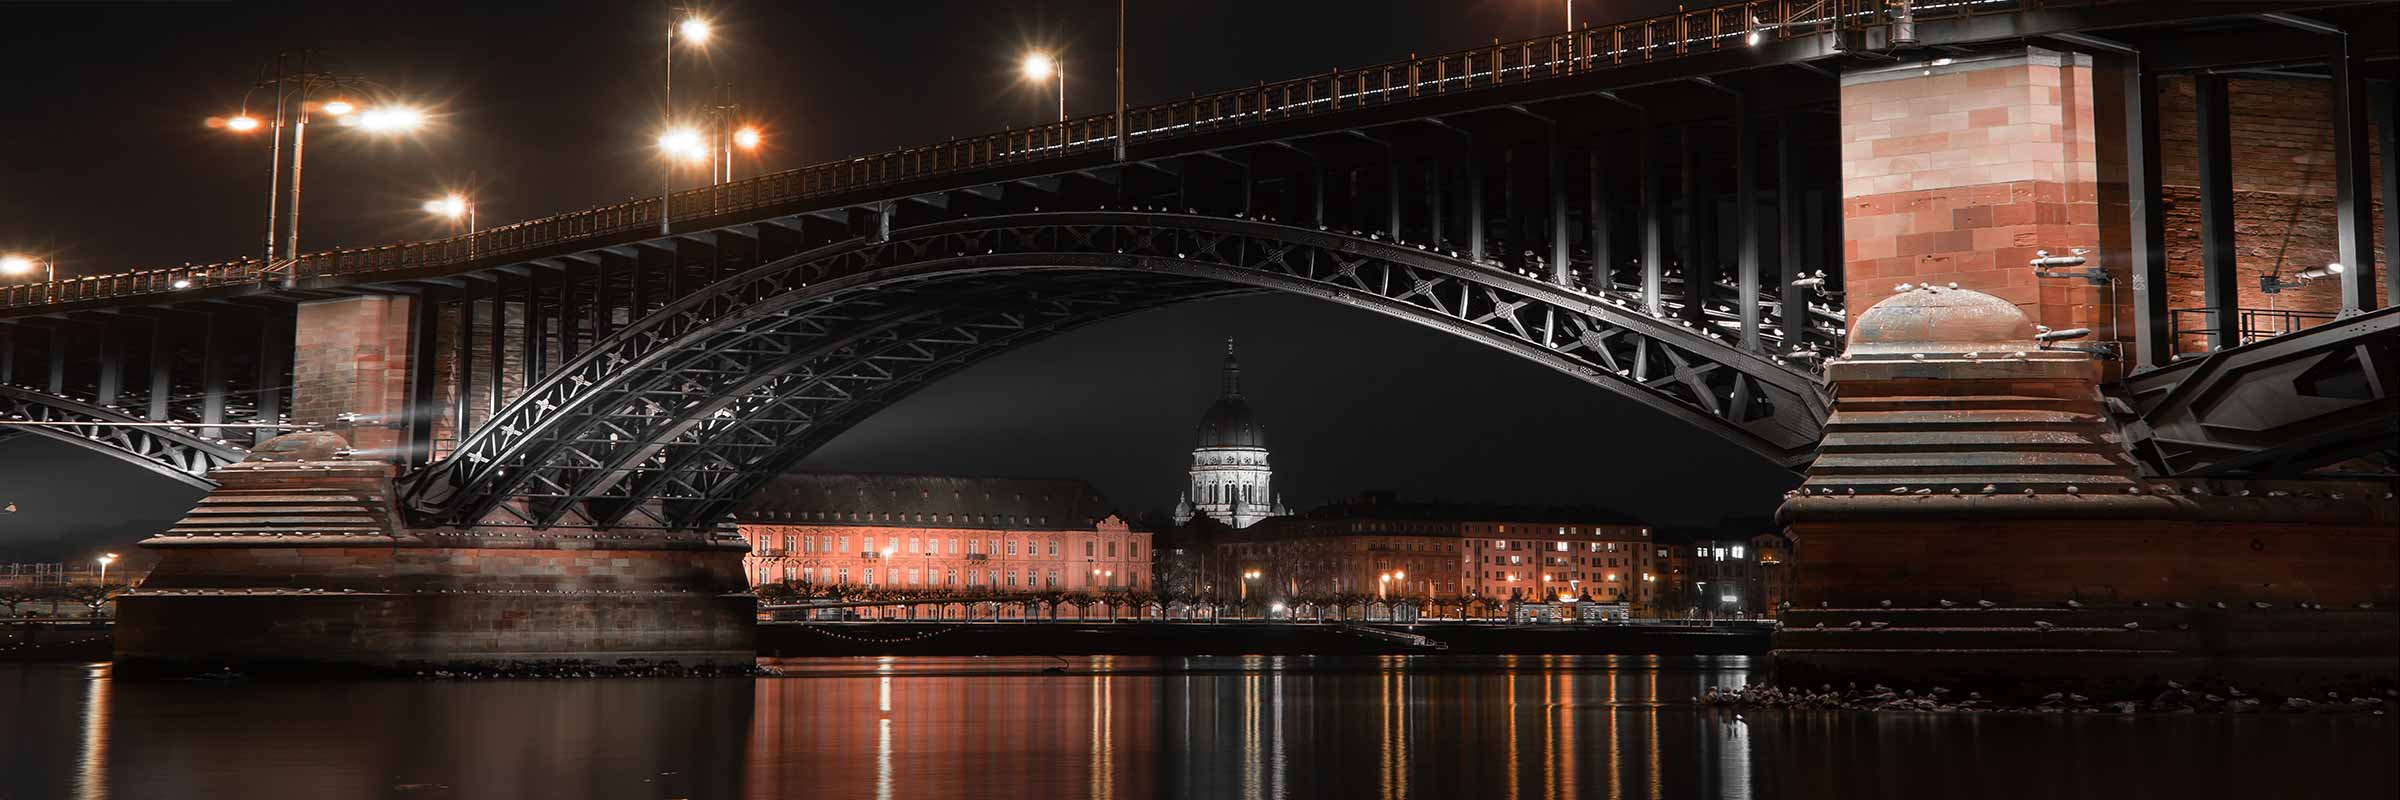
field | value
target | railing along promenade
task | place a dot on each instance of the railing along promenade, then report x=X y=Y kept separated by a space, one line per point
x=1564 y=54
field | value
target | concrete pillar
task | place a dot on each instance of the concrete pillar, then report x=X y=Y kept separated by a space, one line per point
x=350 y=355
x=1958 y=173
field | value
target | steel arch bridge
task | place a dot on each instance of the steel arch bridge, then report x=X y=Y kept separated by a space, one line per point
x=172 y=451
x=684 y=411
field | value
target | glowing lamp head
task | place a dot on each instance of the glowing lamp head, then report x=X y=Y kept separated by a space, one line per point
x=107 y=558
x=693 y=29
x=16 y=265
x=392 y=119
x=746 y=138
x=1040 y=66
x=337 y=107
x=452 y=206
x=682 y=143
x=241 y=123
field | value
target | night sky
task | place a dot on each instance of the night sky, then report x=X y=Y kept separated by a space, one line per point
x=547 y=107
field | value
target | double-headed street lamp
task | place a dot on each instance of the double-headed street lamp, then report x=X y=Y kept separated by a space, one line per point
x=105 y=559
x=291 y=87
x=1387 y=579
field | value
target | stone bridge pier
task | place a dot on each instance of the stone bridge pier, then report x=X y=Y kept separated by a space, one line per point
x=301 y=560
x=1974 y=516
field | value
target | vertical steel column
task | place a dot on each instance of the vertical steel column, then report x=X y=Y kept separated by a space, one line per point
x=462 y=363
x=58 y=358
x=1598 y=216
x=1745 y=196
x=1391 y=189
x=604 y=313
x=2354 y=206
x=424 y=348
x=1559 y=271
x=112 y=365
x=1791 y=243
x=2220 y=291
x=1474 y=190
x=534 y=344
x=497 y=346
x=1654 y=234
x=275 y=346
x=1434 y=212
x=8 y=354
x=570 y=325
x=2145 y=211
x=1696 y=275
x=212 y=377
x=1512 y=199
x=2386 y=100
x=162 y=366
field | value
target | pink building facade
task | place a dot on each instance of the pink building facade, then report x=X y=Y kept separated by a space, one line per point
x=940 y=534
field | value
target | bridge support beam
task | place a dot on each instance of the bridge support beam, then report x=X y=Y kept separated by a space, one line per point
x=1960 y=173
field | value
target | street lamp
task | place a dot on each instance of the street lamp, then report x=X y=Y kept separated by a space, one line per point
x=695 y=31
x=454 y=206
x=105 y=559
x=1247 y=577
x=1040 y=67
x=382 y=119
x=14 y=265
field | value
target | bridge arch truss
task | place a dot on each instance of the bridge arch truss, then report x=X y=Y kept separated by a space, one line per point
x=168 y=450
x=683 y=412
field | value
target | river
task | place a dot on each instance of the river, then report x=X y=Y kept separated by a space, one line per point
x=1121 y=727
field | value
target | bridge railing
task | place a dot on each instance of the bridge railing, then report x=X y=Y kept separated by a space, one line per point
x=1725 y=27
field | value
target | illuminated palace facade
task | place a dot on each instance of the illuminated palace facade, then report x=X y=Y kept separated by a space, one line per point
x=1376 y=544
x=940 y=534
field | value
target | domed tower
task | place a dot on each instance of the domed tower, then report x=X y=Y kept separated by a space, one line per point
x=1231 y=480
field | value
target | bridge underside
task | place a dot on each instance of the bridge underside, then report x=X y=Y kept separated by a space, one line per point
x=684 y=412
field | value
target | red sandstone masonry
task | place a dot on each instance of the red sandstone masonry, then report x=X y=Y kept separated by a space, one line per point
x=1959 y=175
x=351 y=356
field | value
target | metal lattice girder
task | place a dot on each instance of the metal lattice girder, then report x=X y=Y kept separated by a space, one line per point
x=2275 y=408
x=685 y=410
x=175 y=453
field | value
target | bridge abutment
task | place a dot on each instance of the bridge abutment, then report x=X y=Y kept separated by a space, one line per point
x=301 y=561
x=1973 y=519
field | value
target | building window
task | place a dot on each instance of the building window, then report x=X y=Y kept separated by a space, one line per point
x=1012 y=550
x=954 y=546
x=787 y=574
x=1051 y=580
x=1112 y=549
x=913 y=579
x=914 y=546
x=843 y=576
x=1737 y=551
x=1087 y=548
x=845 y=544
x=1054 y=547
x=762 y=575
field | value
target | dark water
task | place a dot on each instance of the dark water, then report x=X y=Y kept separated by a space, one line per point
x=1492 y=727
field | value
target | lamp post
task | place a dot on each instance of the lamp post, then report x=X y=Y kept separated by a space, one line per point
x=455 y=206
x=1040 y=67
x=15 y=265
x=694 y=31
x=746 y=138
x=382 y=119
x=105 y=559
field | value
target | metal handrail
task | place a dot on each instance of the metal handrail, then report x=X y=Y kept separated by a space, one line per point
x=1557 y=55
x=2251 y=325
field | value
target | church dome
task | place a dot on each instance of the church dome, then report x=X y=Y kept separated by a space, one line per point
x=1228 y=423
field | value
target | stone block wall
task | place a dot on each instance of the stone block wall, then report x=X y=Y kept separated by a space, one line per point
x=1958 y=173
x=350 y=355
x=2283 y=184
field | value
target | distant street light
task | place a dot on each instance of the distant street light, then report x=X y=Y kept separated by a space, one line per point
x=1041 y=67
x=455 y=206
x=695 y=32
x=105 y=559
x=15 y=265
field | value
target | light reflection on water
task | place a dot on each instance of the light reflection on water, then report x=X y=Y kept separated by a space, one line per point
x=1121 y=728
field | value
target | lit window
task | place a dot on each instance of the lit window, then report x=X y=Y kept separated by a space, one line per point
x=1562 y=547
x=1737 y=551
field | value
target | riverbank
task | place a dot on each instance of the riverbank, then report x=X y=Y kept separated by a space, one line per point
x=795 y=639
